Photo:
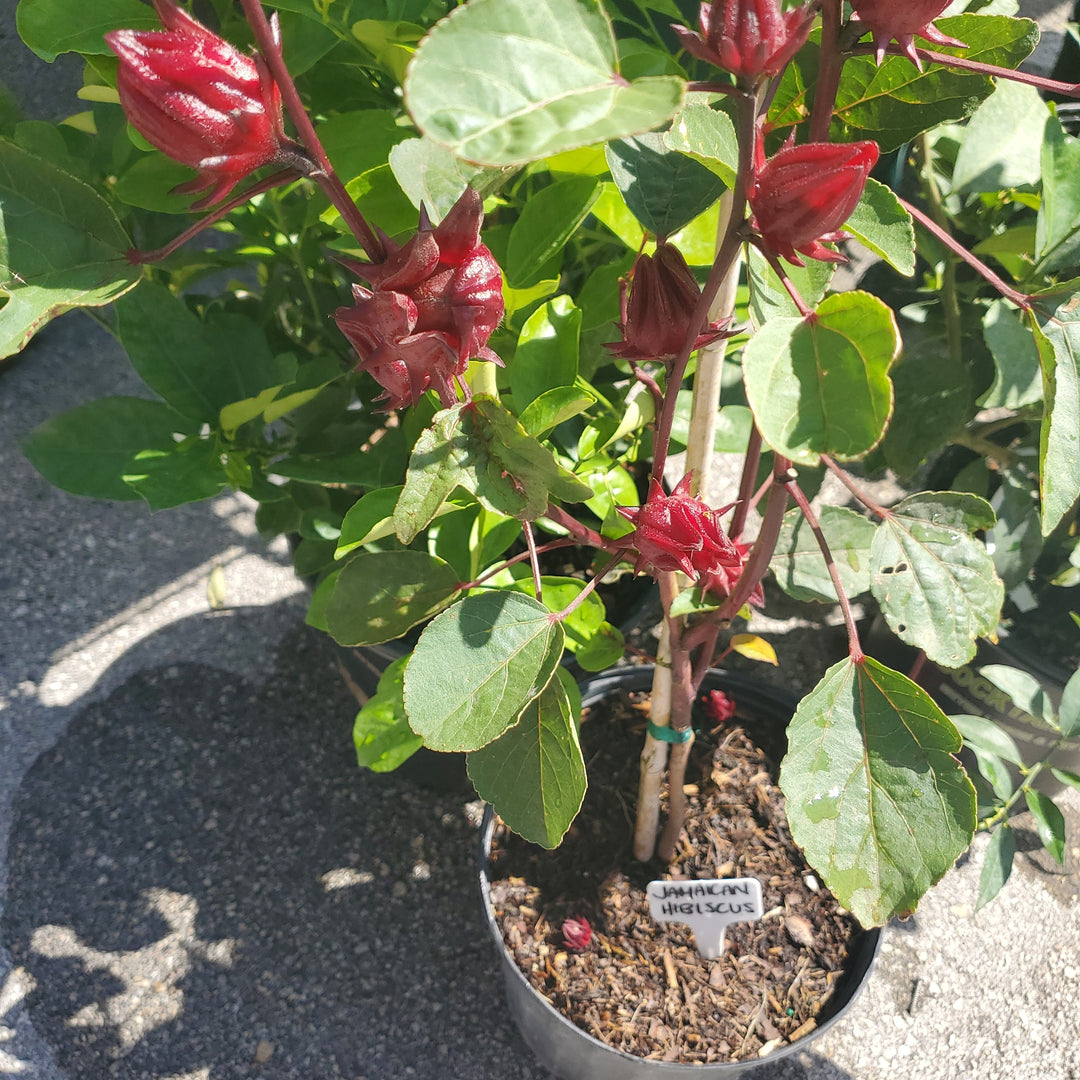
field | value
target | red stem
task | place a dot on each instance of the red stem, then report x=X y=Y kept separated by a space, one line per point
x=1021 y=300
x=590 y=585
x=829 y=68
x=854 y=488
x=324 y=174
x=1053 y=86
x=583 y=533
x=283 y=176
x=751 y=460
x=803 y=503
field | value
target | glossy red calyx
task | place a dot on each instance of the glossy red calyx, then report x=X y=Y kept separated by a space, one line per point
x=432 y=305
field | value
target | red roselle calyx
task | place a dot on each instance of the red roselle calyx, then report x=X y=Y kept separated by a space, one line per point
x=803 y=194
x=890 y=21
x=431 y=307
x=679 y=532
x=719 y=707
x=752 y=39
x=719 y=582
x=577 y=933
x=656 y=318
x=200 y=101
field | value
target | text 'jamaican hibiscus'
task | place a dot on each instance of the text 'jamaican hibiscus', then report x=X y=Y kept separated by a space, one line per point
x=803 y=194
x=199 y=100
x=431 y=307
x=750 y=38
x=656 y=318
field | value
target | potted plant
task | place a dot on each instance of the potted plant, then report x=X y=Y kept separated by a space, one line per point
x=460 y=286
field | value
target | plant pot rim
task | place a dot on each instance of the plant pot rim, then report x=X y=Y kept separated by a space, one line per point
x=532 y=1010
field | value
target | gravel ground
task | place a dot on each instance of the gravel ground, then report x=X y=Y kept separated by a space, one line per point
x=197 y=884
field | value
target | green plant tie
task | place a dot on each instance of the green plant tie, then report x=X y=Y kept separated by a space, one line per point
x=669 y=734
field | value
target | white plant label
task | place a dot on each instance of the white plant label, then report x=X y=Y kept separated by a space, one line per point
x=707 y=907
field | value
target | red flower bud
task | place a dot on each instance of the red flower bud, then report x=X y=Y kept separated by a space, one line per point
x=719 y=707
x=750 y=38
x=679 y=532
x=199 y=100
x=889 y=21
x=577 y=933
x=663 y=297
x=803 y=194
x=432 y=306
x=719 y=582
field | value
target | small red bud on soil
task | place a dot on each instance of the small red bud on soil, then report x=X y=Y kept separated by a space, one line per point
x=577 y=933
x=719 y=707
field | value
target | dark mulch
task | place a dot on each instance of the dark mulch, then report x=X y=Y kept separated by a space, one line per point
x=641 y=986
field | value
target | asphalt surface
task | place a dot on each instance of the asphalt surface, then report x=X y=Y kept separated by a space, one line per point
x=196 y=882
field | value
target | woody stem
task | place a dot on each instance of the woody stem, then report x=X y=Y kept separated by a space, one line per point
x=746 y=115
x=751 y=460
x=323 y=174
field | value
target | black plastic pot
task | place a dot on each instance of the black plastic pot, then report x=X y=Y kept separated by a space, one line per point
x=573 y=1054
x=963 y=691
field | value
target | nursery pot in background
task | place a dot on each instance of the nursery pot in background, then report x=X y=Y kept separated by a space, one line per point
x=964 y=691
x=572 y=1053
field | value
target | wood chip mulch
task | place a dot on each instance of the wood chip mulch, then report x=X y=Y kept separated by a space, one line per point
x=640 y=986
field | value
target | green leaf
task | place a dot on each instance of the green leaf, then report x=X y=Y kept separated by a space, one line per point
x=1069 y=709
x=997 y=864
x=707 y=135
x=361 y=140
x=595 y=642
x=548 y=219
x=663 y=188
x=52 y=27
x=895 y=102
x=381 y=595
x=89 y=449
x=477 y=665
x=821 y=385
x=1002 y=141
x=800 y=567
x=996 y=772
x=186 y=472
x=547 y=352
x=934 y=581
x=381 y=732
x=933 y=400
x=874 y=795
x=552 y=407
x=61 y=247
x=1057 y=225
x=1058 y=342
x=1066 y=777
x=1049 y=823
x=534 y=774
x=370 y=518
x=1015 y=541
x=432 y=175
x=982 y=734
x=1017 y=376
x=1024 y=690
x=884 y=226
x=149 y=181
x=482 y=448
x=197 y=367
x=769 y=298
x=501 y=82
